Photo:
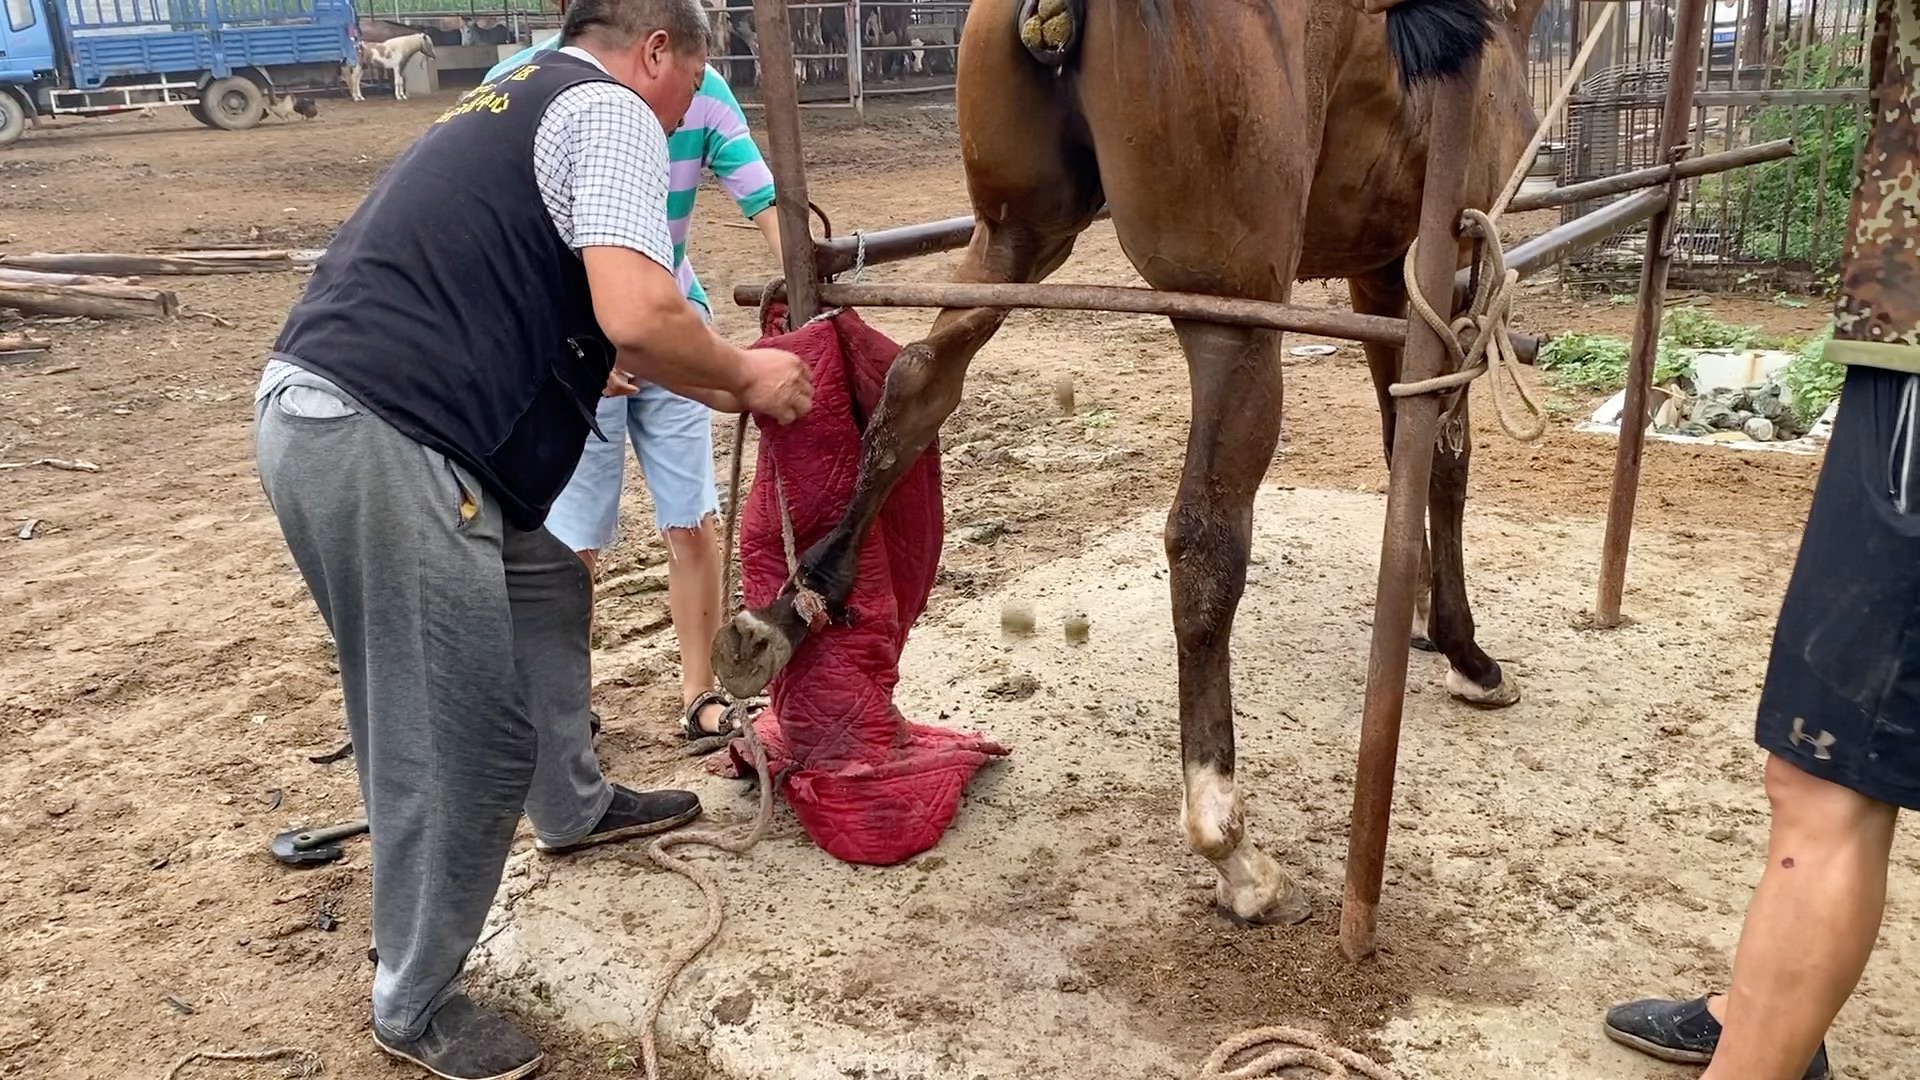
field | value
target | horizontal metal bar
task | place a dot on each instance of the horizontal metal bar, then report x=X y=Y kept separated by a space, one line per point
x=840 y=254
x=1704 y=165
x=881 y=91
x=1373 y=329
x=1581 y=233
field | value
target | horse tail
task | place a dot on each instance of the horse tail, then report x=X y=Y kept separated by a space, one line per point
x=1437 y=39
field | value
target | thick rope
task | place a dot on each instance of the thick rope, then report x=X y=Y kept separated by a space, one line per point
x=308 y=1066
x=1269 y=1051
x=1477 y=343
x=810 y=606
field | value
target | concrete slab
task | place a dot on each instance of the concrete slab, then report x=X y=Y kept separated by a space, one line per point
x=1063 y=930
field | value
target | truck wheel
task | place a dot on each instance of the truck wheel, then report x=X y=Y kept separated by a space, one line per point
x=13 y=118
x=233 y=103
x=199 y=112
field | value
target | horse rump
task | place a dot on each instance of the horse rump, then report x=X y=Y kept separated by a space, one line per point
x=1437 y=39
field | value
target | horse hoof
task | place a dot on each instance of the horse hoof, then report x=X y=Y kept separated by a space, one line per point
x=1289 y=905
x=1501 y=694
x=748 y=652
x=1423 y=643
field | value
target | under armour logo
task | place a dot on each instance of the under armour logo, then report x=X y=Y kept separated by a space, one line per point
x=1819 y=742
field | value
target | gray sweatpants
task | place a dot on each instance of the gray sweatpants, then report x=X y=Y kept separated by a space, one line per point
x=464 y=659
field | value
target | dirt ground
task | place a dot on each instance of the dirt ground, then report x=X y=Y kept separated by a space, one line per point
x=164 y=679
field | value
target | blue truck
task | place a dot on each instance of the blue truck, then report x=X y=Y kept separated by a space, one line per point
x=223 y=60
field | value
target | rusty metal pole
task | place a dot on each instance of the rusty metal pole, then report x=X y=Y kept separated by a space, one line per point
x=1675 y=140
x=780 y=92
x=1416 y=420
x=1878 y=313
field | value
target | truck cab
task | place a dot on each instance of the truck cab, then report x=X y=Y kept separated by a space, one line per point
x=222 y=60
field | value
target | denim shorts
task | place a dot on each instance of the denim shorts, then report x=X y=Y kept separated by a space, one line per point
x=673 y=438
x=1842 y=696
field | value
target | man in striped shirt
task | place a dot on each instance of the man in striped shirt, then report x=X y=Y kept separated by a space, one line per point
x=673 y=436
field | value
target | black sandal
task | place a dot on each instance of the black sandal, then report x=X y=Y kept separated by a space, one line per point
x=690 y=717
x=734 y=716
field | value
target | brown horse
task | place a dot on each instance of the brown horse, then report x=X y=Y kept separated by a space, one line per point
x=1240 y=147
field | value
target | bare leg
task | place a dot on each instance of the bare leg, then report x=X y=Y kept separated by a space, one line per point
x=1810 y=928
x=693 y=599
x=1236 y=426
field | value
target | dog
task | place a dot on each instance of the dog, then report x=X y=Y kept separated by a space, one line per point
x=286 y=108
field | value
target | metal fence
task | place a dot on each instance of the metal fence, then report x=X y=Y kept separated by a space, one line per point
x=847 y=51
x=1772 y=69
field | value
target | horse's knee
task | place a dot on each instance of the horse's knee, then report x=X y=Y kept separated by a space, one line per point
x=1207 y=558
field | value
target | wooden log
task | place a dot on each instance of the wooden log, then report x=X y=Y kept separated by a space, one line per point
x=40 y=277
x=91 y=301
x=181 y=263
x=22 y=348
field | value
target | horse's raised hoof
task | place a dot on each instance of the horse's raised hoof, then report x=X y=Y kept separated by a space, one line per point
x=1502 y=693
x=1423 y=643
x=1273 y=898
x=754 y=647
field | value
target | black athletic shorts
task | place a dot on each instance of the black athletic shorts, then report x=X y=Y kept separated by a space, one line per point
x=1842 y=696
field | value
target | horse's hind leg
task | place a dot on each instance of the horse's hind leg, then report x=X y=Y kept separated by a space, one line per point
x=1472 y=675
x=1235 y=373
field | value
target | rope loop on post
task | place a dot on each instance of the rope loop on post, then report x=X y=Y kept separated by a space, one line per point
x=1477 y=343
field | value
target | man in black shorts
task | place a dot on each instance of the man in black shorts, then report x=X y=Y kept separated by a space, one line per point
x=1840 y=711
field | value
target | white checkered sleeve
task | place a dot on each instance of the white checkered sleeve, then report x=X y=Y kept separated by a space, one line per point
x=600 y=159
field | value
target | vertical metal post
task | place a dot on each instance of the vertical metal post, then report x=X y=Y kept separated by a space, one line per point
x=1675 y=140
x=781 y=94
x=856 y=73
x=1416 y=420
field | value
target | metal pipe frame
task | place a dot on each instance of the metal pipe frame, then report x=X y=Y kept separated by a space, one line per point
x=781 y=93
x=1415 y=422
x=1676 y=138
x=1323 y=322
x=1620 y=184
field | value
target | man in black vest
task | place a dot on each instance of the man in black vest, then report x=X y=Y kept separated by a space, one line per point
x=425 y=403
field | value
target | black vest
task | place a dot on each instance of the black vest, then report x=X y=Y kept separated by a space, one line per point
x=449 y=307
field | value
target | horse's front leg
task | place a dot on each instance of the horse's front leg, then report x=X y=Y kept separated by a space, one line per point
x=1235 y=374
x=922 y=389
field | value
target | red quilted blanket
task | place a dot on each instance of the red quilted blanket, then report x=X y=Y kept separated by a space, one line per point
x=867 y=785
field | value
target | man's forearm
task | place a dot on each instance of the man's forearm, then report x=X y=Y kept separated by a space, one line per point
x=685 y=355
x=769 y=224
x=717 y=400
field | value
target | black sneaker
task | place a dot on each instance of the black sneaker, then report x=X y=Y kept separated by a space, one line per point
x=634 y=813
x=1680 y=1031
x=466 y=1042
